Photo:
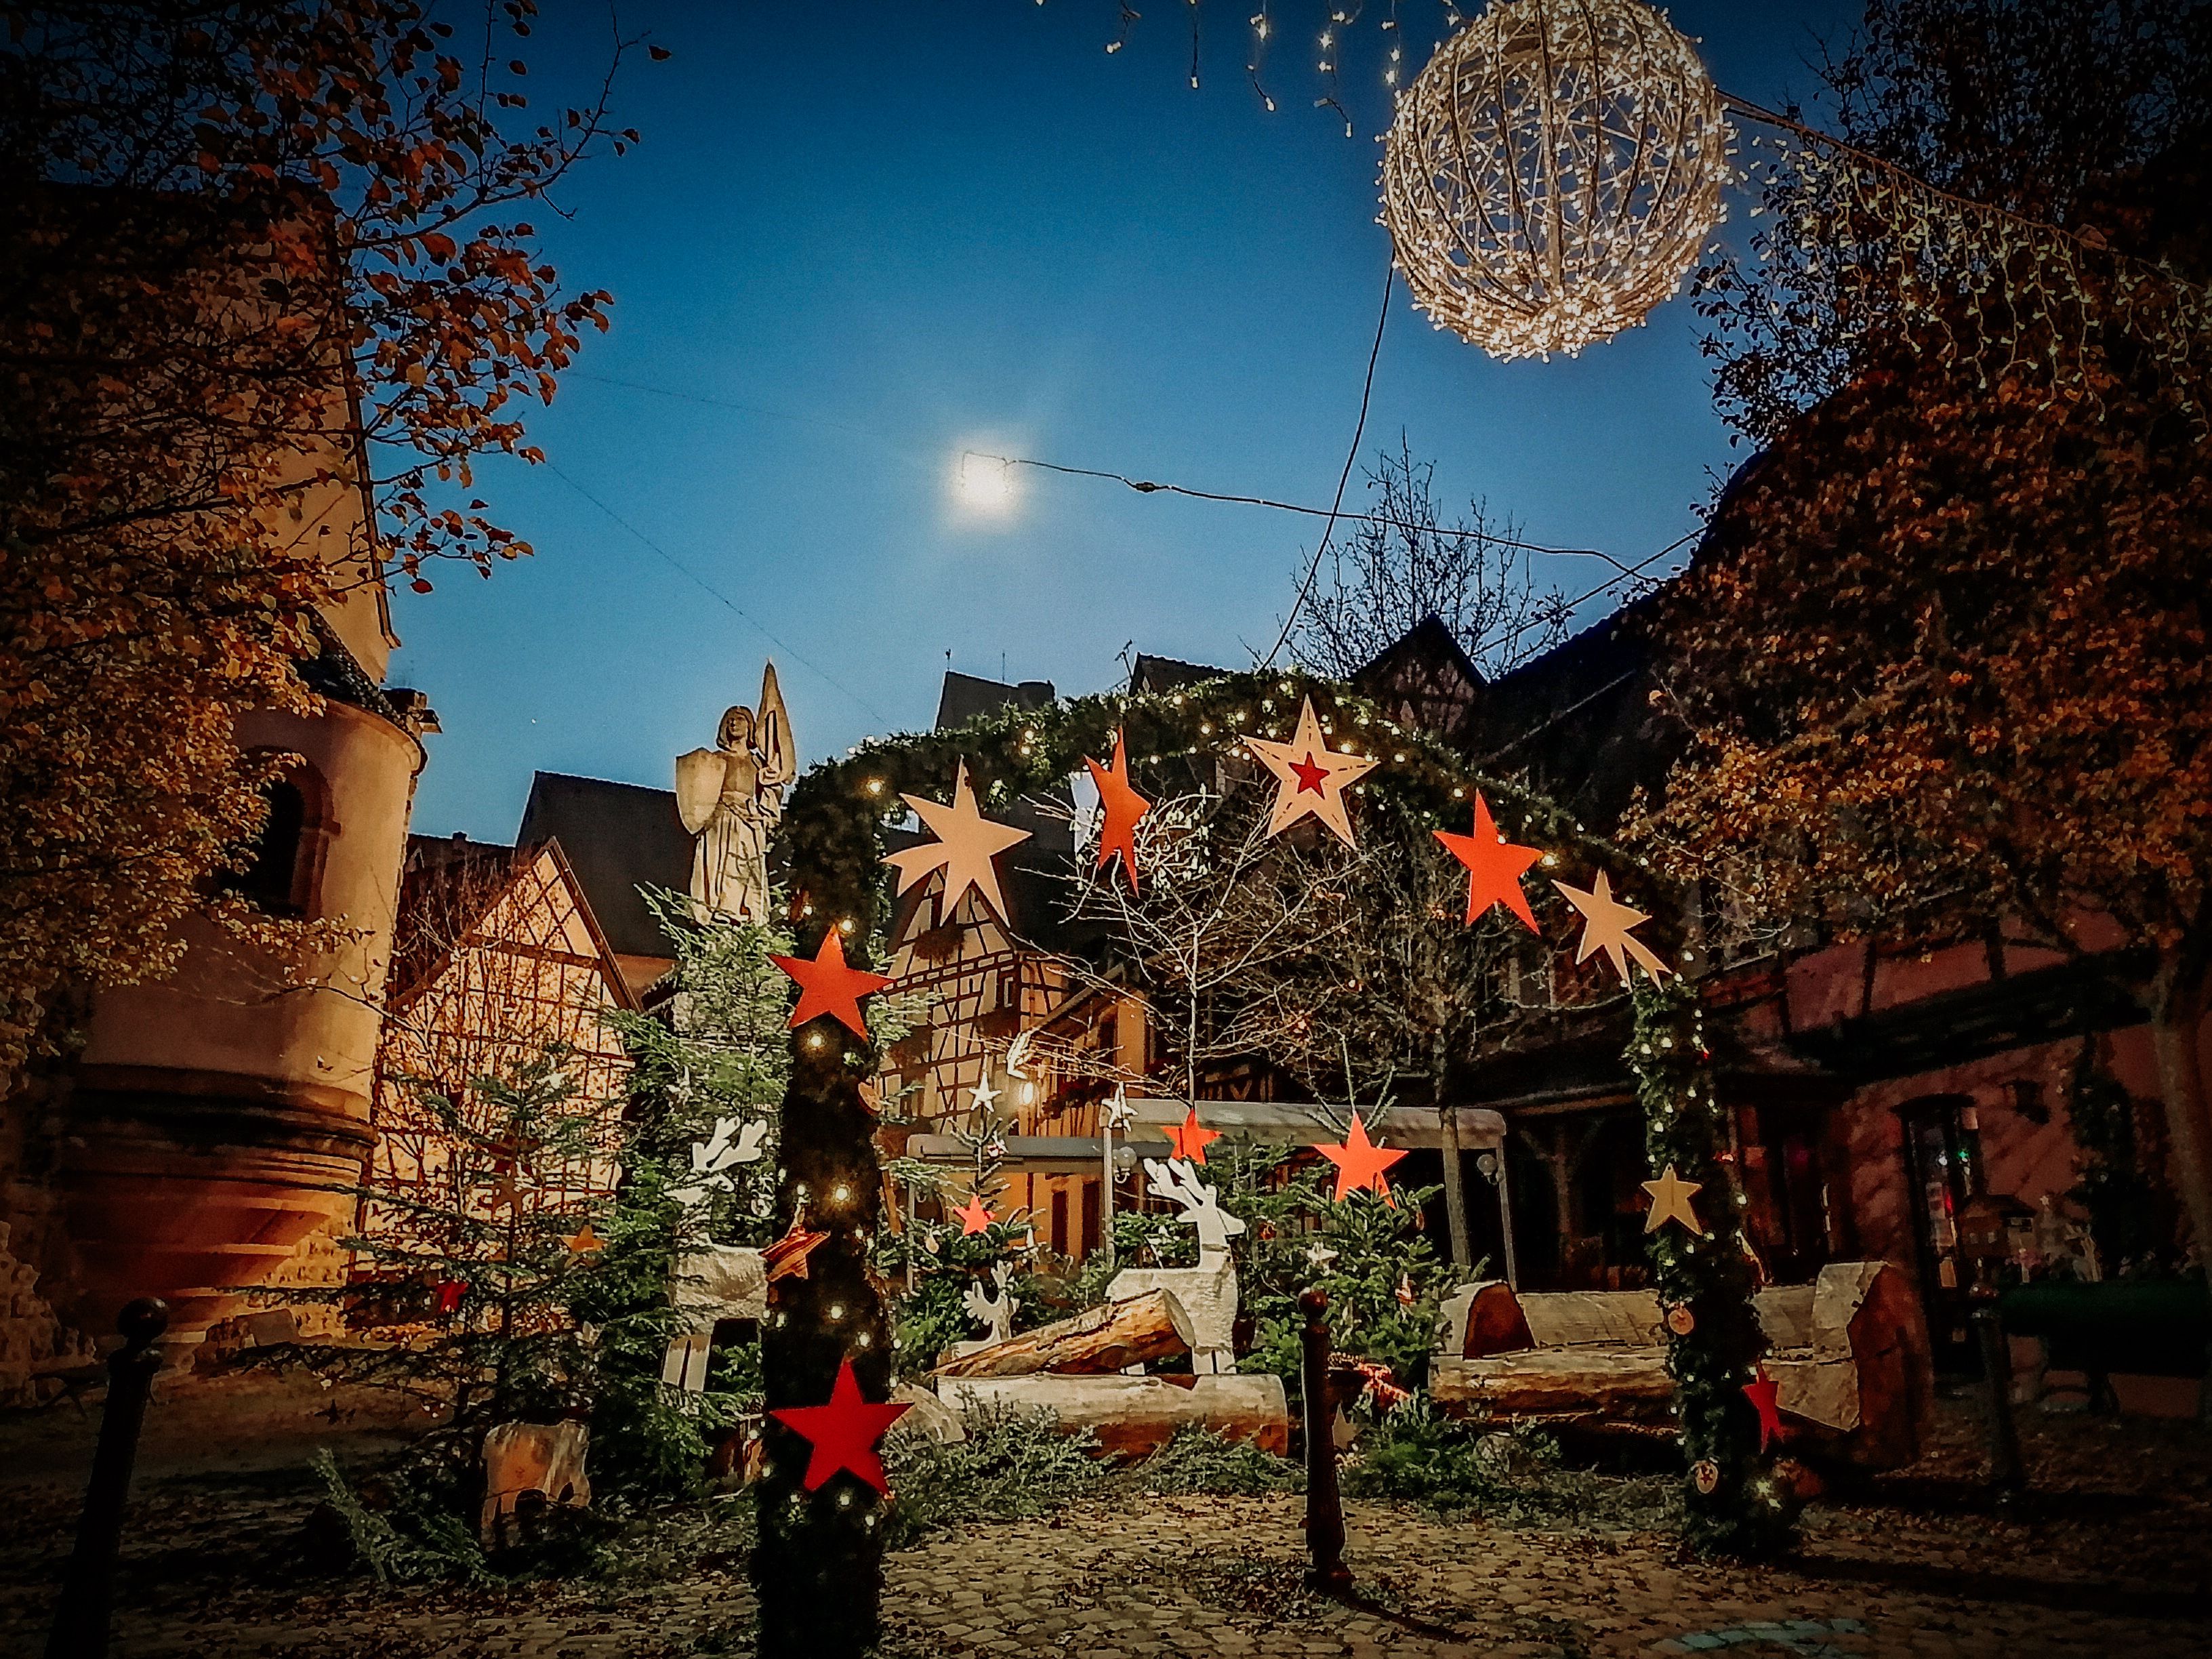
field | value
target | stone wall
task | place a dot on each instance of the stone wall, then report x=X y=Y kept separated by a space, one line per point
x=34 y=1343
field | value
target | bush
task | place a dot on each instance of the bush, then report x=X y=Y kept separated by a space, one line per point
x=1198 y=1460
x=1014 y=1464
x=1415 y=1456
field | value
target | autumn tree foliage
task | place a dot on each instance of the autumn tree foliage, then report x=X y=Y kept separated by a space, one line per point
x=1943 y=658
x=270 y=277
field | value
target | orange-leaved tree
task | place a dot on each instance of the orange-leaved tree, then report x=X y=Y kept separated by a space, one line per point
x=269 y=291
x=1943 y=658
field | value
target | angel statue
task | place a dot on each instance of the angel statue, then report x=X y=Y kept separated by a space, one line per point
x=731 y=798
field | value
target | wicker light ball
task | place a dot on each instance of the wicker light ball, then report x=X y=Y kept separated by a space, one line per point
x=1553 y=172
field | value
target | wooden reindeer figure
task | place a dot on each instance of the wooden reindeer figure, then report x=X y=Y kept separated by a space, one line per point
x=1208 y=1291
x=996 y=1315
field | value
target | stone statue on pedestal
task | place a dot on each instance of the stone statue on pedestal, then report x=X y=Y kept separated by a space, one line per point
x=731 y=798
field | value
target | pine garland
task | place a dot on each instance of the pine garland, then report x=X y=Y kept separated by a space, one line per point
x=1735 y=1504
x=819 y=1566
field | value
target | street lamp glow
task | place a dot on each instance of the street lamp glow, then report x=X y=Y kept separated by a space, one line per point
x=985 y=483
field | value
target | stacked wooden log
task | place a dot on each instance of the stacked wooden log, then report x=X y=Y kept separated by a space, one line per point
x=1850 y=1352
x=1072 y=1368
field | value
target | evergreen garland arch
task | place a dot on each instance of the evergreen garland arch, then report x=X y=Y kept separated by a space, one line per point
x=818 y=1565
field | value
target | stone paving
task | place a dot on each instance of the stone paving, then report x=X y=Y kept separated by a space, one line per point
x=2113 y=1556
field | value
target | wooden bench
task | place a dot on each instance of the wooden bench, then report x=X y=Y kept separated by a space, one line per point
x=1850 y=1352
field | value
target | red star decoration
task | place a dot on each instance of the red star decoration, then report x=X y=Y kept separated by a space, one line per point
x=450 y=1292
x=827 y=986
x=1310 y=775
x=1360 y=1163
x=787 y=1257
x=975 y=1216
x=1766 y=1395
x=843 y=1433
x=1123 y=806
x=1190 y=1138
x=584 y=1240
x=1494 y=867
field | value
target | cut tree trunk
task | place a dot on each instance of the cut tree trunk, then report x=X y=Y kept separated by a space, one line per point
x=2176 y=1031
x=1621 y=1389
x=1132 y=1416
x=1094 y=1343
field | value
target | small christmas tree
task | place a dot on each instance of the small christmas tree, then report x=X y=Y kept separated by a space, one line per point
x=972 y=1249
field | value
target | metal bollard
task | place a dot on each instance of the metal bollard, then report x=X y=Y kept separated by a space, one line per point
x=1324 y=1504
x=2007 y=1473
x=80 y=1617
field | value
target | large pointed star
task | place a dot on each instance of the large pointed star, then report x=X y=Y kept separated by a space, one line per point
x=974 y=1215
x=1190 y=1138
x=1311 y=777
x=843 y=1433
x=787 y=1257
x=1766 y=1395
x=584 y=1240
x=1123 y=807
x=1670 y=1201
x=983 y=1097
x=1494 y=867
x=1360 y=1163
x=1606 y=922
x=827 y=986
x=966 y=843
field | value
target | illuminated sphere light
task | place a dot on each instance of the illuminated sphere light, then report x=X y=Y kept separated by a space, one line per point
x=1553 y=172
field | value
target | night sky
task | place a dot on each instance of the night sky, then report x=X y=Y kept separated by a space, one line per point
x=858 y=240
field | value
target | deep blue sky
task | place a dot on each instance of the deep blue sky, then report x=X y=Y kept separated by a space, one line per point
x=889 y=233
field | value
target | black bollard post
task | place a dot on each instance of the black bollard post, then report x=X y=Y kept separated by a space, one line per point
x=1324 y=1505
x=2007 y=1473
x=81 y=1618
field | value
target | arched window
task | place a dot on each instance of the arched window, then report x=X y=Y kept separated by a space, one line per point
x=286 y=869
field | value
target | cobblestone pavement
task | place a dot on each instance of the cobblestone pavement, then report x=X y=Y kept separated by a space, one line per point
x=2111 y=1556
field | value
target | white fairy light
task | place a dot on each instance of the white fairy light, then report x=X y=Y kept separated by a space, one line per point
x=1552 y=174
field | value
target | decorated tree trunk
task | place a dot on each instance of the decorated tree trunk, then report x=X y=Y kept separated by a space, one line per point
x=1734 y=1504
x=819 y=1566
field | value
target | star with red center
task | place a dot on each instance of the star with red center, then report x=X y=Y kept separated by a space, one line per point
x=1190 y=1138
x=787 y=1257
x=844 y=1433
x=1766 y=1395
x=584 y=1240
x=827 y=986
x=1360 y=1163
x=966 y=844
x=1311 y=777
x=974 y=1215
x=1123 y=806
x=1494 y=867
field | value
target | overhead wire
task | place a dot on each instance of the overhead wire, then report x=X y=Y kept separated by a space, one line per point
x=759 y=627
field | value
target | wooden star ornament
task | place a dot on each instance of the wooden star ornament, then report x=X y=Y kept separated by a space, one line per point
x=1360 y=1163
x=1606 y=923
x=1190 y=1138
x=827 y=986
x=966 y=844
x=843 y=1433
x=1494 y=867
x=1311 y=777
x=787 y=1257
x=1123 y=806
x=584 y=1240
x=1670 y=1201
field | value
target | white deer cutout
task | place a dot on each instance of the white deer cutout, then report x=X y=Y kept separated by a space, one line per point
x=1207 y=1292
x=996 y=1315
x=712 y=1160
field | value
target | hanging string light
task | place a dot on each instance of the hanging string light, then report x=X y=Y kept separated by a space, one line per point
x=1552 y=174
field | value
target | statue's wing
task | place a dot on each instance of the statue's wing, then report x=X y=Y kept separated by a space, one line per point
x=698 y=787
x=778 y=755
